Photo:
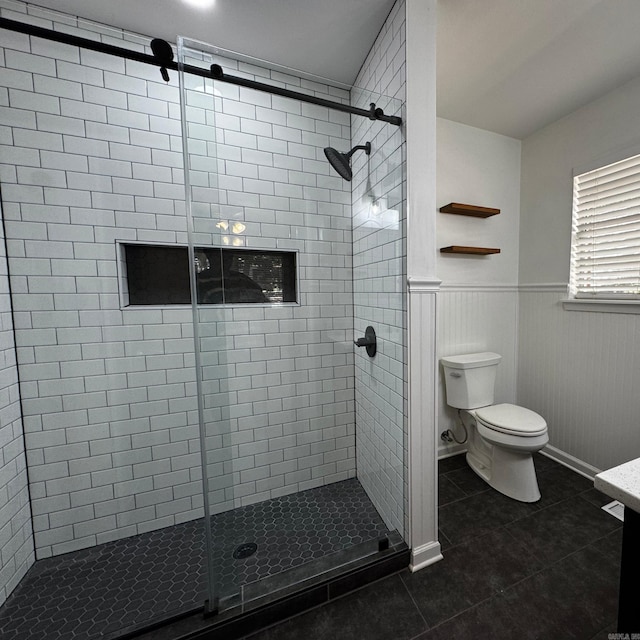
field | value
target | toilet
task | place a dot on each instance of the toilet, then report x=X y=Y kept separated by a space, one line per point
x=501 y=437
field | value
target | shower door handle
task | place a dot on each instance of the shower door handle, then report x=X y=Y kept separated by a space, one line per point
x=369 y=341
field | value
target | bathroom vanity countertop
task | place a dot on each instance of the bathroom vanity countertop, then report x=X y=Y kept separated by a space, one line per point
x=622 y=483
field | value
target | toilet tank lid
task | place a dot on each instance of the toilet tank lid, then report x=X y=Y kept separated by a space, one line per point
x=471 y=360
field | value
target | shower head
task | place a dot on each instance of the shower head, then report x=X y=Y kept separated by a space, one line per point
x=340 y=161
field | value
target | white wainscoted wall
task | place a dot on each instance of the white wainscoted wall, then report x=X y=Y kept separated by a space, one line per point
x=478 y=300
x=579 y=369
x=472 y=319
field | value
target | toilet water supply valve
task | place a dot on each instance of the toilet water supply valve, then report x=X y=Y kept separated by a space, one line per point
x=450 y=436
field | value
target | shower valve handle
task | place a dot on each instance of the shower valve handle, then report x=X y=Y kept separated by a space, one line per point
x=369 y=341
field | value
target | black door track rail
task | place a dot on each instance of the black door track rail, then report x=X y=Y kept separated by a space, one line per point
x=163 y=58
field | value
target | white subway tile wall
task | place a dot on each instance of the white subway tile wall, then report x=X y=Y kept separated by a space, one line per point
x=16 y=534
x=379 y=266
x=92 y=156
x=277 y=380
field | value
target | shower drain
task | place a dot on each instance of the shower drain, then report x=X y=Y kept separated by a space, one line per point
x=245 y=550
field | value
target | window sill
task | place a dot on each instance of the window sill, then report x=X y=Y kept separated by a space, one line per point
x=602 y=306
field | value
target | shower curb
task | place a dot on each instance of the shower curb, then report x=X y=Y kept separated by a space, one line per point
x=234 y=624
x=303 y=600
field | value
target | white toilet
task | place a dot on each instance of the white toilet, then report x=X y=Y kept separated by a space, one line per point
x=502 y=437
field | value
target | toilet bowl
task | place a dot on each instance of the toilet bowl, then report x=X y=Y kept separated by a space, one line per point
x=501 y=437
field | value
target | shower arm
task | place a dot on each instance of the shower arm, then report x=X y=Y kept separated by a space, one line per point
x=161 y=59
x=363 y=147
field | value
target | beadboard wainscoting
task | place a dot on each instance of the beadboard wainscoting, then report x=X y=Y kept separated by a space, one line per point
x=423 y=301
x=579 y=369
x=475 y=318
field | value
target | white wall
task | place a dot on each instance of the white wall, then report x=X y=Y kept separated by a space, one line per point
x=477 y=307
x=482 y=168
x=379 y=272
x=16 y=536
x=422 y=283
x=578 y=369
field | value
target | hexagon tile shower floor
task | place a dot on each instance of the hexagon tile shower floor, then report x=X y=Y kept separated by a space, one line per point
x=95 y=592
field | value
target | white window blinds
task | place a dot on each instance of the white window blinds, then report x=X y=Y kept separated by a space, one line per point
x=605 y=244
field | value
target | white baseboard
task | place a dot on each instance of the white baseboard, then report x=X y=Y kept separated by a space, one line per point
x=570 y=462
x=425 y=555
x=565 y=459
x=448 y=450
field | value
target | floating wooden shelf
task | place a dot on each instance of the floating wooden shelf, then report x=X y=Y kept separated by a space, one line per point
x=477 y=251
x=469 y=210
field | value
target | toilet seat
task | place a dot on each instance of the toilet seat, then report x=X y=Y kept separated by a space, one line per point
x=512 y=420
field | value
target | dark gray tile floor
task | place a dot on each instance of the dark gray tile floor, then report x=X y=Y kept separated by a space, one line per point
x=548 y=570
x=96 y=592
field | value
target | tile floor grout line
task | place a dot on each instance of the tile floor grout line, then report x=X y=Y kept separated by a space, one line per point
x=552 y=564
x=415 y=604
x=528 y=515
x=500 y=592
x=547 y=566
x=541 y=509
x=457 y=615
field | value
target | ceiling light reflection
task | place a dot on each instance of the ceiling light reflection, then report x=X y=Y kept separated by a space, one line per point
x=200 y=4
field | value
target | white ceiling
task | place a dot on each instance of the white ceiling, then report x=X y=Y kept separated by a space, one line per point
x=513 y=66
x=328 y=38
x=510 y=66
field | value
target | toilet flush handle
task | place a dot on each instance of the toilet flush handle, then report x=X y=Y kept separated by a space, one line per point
x=455 y=374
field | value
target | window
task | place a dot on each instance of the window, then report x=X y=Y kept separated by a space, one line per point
x=605 y=242
x=158 y=275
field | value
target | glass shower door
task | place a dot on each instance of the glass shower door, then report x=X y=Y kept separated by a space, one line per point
x=270 y=236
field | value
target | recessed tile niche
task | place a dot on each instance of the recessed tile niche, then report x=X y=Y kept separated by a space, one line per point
x=159 y=275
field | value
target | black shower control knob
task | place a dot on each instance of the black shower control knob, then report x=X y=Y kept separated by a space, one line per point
x=369 y=341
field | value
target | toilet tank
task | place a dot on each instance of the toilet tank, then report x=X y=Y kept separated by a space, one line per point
x=470 y=379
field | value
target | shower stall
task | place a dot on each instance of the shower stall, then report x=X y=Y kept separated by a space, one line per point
x=188 y=276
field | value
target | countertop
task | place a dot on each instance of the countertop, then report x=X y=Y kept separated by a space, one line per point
x=622 y=483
